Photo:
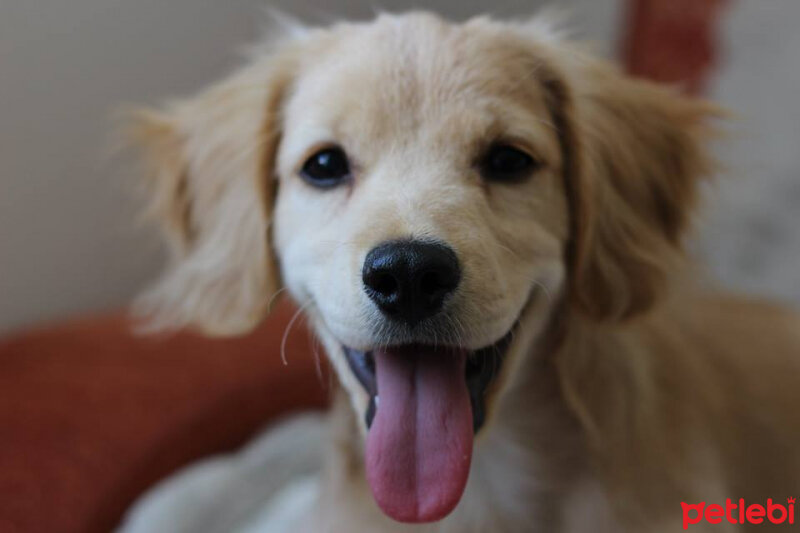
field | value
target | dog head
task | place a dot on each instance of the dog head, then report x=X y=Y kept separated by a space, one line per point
x=425 y=191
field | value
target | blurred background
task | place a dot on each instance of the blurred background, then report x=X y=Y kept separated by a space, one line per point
x=68 y=239
x=92 y=415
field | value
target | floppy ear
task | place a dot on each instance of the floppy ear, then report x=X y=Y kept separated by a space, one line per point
x=634 y=154
x=211 y=187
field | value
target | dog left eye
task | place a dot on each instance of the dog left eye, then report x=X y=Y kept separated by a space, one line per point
x=327 y=168
x=505 y=163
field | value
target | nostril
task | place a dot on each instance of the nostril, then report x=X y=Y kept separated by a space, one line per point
x=384 y=283
x=430 y=283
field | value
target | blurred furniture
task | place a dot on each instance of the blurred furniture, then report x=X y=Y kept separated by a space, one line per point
x=91 y=414
x=672 y=41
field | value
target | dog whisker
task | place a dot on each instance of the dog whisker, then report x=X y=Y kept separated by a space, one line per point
x=545 y=290
x=315 y=346
x=288 y=329
x=273 y=298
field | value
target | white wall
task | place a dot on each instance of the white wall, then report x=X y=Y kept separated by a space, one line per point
x=751 y=231
x=67 y=239
x=67 y=242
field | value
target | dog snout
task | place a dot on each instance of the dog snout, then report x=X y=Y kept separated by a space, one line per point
x=409 y=280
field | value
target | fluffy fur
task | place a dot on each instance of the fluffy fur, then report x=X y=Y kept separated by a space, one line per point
x=629 y=386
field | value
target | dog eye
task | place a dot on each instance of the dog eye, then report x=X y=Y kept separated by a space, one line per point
x=506 y=163
x=326 y=168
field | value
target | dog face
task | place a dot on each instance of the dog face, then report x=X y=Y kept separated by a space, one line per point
x=440 y=211
x=422 y=190
x=442 y=153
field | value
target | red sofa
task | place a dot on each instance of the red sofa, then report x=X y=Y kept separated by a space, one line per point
x=92 y=414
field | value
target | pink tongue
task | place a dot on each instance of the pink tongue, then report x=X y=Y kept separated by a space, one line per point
x=419 y=446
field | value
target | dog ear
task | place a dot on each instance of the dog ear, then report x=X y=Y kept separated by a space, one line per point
x=211 y=187
x=634 y=154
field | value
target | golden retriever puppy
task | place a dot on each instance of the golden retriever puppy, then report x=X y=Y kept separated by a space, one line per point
x=483 y=225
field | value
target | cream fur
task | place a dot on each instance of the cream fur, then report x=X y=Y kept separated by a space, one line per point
x=629 y=388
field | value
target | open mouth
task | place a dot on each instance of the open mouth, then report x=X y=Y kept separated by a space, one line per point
x=426 y=404
x=480 y=369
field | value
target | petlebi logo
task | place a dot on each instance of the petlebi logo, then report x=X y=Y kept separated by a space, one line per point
x=738 y=512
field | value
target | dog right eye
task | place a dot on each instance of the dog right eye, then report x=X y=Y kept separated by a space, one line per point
x=327 y=168
x=505 y=163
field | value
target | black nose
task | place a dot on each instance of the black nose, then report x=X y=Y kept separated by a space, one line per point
x=409 y=280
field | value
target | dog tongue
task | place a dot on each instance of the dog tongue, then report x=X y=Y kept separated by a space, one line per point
x=419 y=446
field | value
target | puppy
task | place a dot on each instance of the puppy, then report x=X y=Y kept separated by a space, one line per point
x=483 y=225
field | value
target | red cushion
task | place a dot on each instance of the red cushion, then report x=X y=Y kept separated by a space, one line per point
x=91 y=414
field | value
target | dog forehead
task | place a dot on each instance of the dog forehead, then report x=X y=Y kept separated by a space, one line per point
x=398 y=74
